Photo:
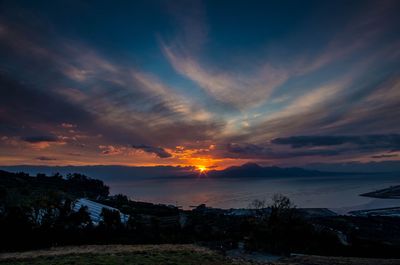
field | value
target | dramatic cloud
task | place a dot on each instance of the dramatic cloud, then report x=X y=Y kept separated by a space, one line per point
x=391 y=141
x=25 y=104
x=158 y=151
x=39 y=139
x=252 y=151
x=138 y=100
x=229 y=87
x=199 y=83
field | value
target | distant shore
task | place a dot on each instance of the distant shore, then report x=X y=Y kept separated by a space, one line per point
x=392 y=192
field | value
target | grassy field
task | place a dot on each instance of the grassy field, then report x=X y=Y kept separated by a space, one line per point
x=144 y=258
x=160 y=255
x=117 y=254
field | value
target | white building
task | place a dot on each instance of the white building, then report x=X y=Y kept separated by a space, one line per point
x=94 y=209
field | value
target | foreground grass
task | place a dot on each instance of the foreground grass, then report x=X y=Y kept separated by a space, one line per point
x=143 y=258
x=117 y=254
x=161 y=255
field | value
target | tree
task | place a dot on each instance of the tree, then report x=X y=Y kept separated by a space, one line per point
x=258 y=207
x=57 y=176
x=282 y=209
x=119 y=199
x=281 y=204
x=111 y=218
x=277 y=231
x=81 y=218
x=3 y=196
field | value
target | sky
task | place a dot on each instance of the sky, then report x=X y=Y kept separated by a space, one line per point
x=199 y=83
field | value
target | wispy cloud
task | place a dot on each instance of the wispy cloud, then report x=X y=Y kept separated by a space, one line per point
x=242 y=91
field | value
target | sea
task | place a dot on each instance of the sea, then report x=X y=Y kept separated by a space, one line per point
x=338 y=193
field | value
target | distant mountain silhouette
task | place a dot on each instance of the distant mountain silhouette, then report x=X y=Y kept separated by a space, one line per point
x=105 y=173
x=113 y=173
x=255 y=170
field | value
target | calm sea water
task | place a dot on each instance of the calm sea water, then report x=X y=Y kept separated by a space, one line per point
x=340 y=192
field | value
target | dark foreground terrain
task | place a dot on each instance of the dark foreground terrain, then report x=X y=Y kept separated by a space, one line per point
x=160 y=254
x=47 y=211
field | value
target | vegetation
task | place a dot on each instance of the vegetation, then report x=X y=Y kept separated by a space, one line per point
x=130 y=207
x=144 y=258
x=282 y=230
x=117 y=254
x=161 y=254
x=18 y=189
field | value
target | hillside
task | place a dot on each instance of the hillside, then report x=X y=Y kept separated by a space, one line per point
x=17 y=188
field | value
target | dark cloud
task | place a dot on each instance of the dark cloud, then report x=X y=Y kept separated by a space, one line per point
x=39 y=139
x=309 y=141
x=385 y=156
x=45 y=158
x=324 y=152
x=322 y=146
x=158 y=151
x=24 y=105
x=252 y=151
x=248 y=149
x=390 y=141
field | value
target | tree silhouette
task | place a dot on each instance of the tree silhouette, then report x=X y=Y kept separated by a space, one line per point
x=111 y=218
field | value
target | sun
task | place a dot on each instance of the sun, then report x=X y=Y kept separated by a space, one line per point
x=202 y=169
